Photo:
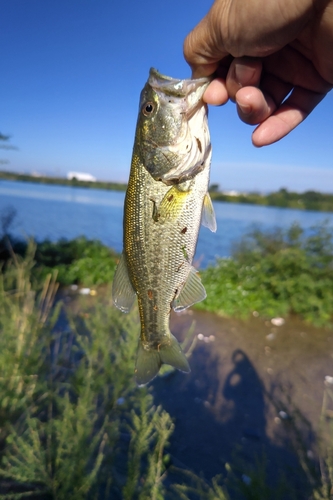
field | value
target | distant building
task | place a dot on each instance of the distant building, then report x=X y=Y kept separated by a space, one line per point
x=81 y=176
x=232 y=193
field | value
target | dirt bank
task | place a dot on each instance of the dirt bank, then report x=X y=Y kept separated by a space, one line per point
x=243 y=375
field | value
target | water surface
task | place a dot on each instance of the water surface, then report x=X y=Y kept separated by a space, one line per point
x=54 y=212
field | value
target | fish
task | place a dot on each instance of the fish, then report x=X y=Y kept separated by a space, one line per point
x=166 y=201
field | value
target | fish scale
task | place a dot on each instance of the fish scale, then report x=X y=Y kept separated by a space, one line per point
x=162 y=217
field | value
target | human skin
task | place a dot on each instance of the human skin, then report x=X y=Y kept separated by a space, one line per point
x=274 y=58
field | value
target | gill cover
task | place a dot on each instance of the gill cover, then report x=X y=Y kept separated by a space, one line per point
x=172 y=128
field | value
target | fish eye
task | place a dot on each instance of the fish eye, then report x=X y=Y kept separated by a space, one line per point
x=148 y=108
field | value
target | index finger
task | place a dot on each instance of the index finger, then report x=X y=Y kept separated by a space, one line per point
x=201 y=50
x=289 y=115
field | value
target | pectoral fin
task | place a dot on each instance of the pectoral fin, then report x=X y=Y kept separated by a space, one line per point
x=208 y=214
x=193 y=291
x=172 y=204
x=123 y=294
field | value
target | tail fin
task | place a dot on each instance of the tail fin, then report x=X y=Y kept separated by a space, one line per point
x=149 y=361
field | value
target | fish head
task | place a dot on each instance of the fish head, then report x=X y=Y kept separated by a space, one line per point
x=172 y=130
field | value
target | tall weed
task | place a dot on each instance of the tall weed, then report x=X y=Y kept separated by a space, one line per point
x=26 y=317
x=68 y=397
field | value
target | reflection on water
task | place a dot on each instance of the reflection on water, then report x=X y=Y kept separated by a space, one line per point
x=46 y=211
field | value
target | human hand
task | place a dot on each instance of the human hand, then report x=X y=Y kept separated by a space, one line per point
x=273 y=58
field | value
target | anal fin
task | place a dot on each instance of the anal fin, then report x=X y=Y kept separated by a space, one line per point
x=123 y=294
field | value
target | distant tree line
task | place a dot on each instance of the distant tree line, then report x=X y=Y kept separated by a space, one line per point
x=309 y=200
x=114 y=186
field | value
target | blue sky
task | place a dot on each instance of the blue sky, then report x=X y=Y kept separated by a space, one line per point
x=71 y=76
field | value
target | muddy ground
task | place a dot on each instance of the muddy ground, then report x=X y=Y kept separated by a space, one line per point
x=244 y=374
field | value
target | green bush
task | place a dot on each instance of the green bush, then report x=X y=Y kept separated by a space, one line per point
x=82 y=261
x=78 y=261
x=275 y=273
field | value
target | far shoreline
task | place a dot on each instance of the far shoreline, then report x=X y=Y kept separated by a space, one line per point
x=308 y=200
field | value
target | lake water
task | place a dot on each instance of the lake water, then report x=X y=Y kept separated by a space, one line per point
x=54 y=212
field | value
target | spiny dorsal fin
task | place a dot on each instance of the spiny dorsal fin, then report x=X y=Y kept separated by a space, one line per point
x=193 y=291
x=208 y=218
x=123 y=294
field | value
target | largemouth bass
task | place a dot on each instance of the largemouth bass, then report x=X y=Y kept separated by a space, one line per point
x=166 y=200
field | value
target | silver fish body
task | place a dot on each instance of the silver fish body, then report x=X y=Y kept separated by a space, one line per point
x=166 y=200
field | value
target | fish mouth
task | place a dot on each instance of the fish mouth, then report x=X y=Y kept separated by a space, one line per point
x=191 y=89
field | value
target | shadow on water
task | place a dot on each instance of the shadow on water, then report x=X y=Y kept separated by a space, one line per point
x=223 y=414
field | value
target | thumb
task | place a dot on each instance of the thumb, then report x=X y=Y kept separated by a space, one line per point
x=203 y=48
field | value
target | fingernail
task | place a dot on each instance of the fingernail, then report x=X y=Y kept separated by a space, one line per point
x=243 y=73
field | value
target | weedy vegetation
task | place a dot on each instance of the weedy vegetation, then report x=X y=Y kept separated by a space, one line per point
x=78 y=261
x=275 y=273
x=73 y=424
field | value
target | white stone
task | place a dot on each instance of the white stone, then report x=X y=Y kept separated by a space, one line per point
x=277 y=321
